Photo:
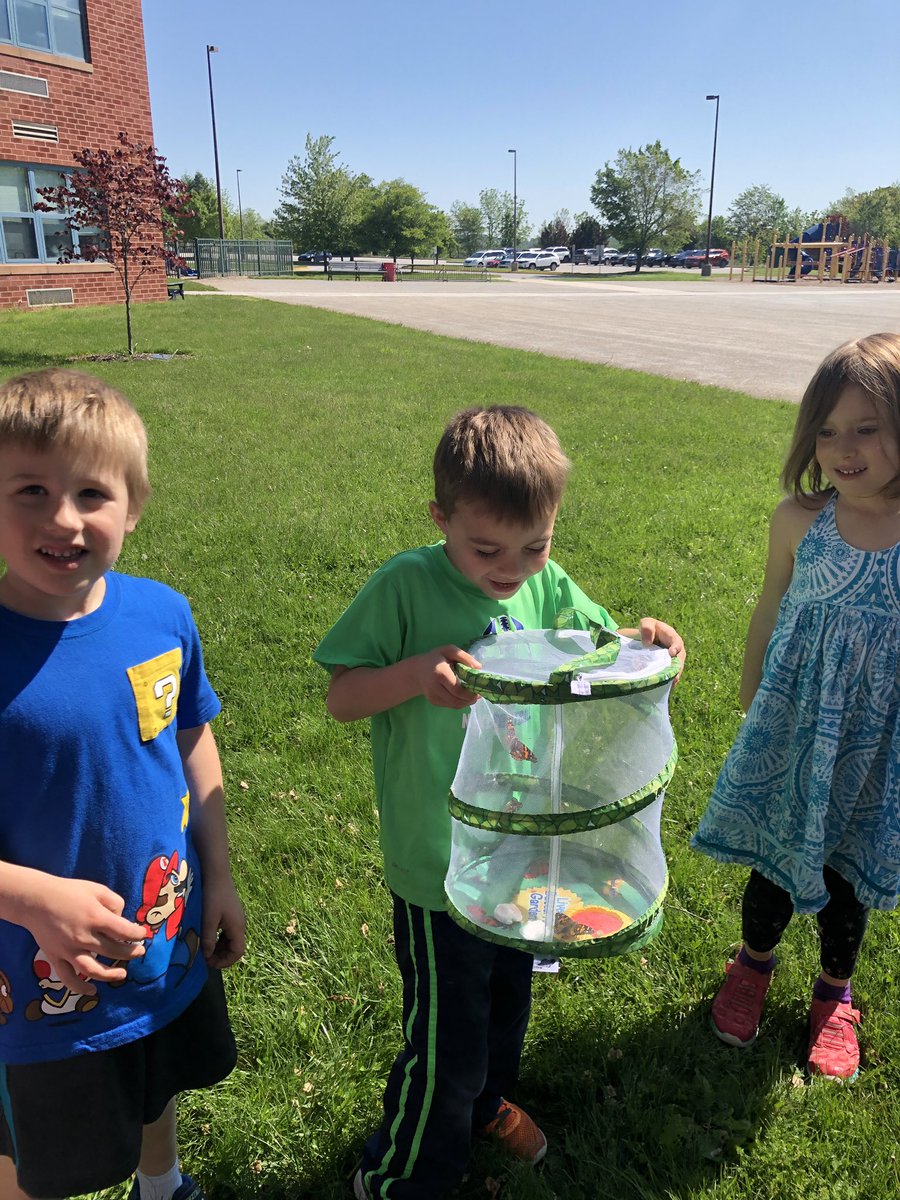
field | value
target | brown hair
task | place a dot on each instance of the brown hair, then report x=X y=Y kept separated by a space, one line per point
x=504 y=457
x=871 y=363
x=57 y=408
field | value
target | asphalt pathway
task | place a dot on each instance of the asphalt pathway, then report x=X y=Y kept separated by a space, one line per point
x=765 y=339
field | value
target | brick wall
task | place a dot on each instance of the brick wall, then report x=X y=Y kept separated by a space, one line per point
x=89 y=103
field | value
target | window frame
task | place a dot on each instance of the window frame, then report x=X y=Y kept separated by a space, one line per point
x=49 y=6
x=38 y=218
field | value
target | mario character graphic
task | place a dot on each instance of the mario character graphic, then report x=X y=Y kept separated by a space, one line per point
x=56 y=999
x=167 y=885
x=6 y=1002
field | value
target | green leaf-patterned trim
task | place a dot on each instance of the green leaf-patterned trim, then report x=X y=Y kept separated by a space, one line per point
x=501 y=690
x=632 y=937
x=605 y=652
x=554 y=824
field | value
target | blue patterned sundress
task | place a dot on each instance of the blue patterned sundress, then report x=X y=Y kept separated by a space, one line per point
x=813 y=777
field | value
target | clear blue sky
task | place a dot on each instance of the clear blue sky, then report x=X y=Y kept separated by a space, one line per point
x=436 y=93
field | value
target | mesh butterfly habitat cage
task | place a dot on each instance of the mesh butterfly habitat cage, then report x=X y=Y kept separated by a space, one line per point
x=558 y=794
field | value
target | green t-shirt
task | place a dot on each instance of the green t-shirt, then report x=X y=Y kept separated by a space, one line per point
x=416 y=601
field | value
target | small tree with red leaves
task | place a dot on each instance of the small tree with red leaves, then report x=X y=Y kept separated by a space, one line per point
x=128 y=207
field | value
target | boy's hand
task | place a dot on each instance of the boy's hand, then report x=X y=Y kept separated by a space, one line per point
x=222 y=937
x=438 y=681
x=73 y=920
x=658 y=633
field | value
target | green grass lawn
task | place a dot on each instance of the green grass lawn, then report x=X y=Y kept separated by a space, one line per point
x=290 y=455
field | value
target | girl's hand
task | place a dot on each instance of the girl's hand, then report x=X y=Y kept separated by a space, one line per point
x=73 y=921
x=438 y=682
x=658 y=633
x=224 y=926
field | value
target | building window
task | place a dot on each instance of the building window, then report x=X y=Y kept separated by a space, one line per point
x=26 y=235
x=54 y=26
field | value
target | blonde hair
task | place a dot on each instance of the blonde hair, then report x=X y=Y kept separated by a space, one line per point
x=504 y=457
x=69 y=410
x=871 y=363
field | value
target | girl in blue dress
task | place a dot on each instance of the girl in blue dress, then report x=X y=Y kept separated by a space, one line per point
x=809 y=796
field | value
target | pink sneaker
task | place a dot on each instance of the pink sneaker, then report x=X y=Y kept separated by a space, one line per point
x=833 y=1048
x=738 y=1006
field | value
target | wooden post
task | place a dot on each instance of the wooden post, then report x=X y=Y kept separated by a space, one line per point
x=755 y=260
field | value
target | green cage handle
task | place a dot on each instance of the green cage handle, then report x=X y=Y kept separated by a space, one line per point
x=606 y=646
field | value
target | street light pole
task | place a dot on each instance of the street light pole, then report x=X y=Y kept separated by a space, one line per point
x=240 y=210
x=514 y=264
x=707 y=266
x=212 y=108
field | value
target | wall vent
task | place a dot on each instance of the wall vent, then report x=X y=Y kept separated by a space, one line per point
x=40 y=296
x=11 y=81
x=35 y=133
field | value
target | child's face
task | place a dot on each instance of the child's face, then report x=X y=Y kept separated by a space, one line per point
x=62 y=526
x=497 y=556
x=858 y=454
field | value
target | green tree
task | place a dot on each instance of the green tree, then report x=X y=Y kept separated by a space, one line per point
x=255 y=227
x=323 y=203
x=467 y=226
x=588 y=231
x=719 y=234
x=758 y=212
x=557 y=231
x=514 y=231
x=499 y=218
x=400 y=221
x=646 y=198
x=204 y=222
x=876 y=213
x=492 y=209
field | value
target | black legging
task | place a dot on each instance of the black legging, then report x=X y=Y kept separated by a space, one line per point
x=767 y=909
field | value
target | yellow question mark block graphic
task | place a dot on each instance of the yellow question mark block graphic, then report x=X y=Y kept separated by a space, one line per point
x=156 y=684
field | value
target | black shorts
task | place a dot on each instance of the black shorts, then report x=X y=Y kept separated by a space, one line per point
x=75 y=1125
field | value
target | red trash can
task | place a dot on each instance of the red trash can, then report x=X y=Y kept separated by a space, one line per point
x=390 y=272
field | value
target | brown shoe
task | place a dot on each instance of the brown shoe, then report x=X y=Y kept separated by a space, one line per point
x=515 y=1132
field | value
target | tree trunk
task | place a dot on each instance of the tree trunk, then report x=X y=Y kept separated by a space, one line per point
x=127 y=304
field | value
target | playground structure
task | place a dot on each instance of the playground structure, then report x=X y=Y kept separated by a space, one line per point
x=826 y=252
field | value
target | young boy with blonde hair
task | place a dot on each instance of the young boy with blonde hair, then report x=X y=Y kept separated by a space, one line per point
x=499 y=475
x=117 y=906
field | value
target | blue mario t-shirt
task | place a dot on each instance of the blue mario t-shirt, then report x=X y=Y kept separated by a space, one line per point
x=92 y=787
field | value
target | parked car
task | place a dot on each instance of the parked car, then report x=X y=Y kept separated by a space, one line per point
x=586 y=255
x=626 y=258
x=538 y=260
x=561 y=252
x=315 y=256
x=610 y=256
x=508 y=258
x=484 y=258
x=678 y=258
x=717 y=258
x=655 y=258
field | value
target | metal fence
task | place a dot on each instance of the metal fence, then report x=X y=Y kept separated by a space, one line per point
x=210 y=256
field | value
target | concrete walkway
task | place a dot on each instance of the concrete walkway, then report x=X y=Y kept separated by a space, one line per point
x=764 y=339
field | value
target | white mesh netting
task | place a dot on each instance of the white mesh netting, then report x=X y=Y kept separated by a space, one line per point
x=557 y=805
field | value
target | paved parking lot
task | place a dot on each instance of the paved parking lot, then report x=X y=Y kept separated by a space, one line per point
x=765 y=339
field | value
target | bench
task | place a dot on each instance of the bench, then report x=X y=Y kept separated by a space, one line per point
x=357 y=269
x=176 y=289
